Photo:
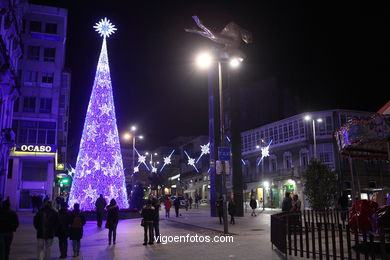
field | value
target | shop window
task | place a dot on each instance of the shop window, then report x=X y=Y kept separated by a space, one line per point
x=34 y=171
x=51 y=28
x=33 y=52
x=35 y=26
x=29 y=104
x=49 y=54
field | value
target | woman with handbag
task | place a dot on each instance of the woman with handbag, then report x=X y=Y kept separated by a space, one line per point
x=112 y=221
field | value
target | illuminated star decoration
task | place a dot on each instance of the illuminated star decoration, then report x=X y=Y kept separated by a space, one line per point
x=105 y=28
x=191 y=161
x=141 y=160
x=167 y=160
x=205 y=149
x=154 y=169
x=136 y=169
x=264 y=153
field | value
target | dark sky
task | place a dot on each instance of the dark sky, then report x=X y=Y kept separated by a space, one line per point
x=331 y=55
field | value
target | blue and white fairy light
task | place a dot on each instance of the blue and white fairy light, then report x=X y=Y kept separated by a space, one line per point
x=204 y=149
x=191 y=161
x=264 y=152
x=167 y=160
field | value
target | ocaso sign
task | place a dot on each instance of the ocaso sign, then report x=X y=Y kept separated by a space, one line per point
x=36 y=148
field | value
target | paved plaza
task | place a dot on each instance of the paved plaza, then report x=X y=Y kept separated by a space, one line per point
x=251 y=239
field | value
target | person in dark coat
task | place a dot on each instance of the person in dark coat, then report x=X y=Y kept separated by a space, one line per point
x=46 y=199
x=63 y=229
x=343 y=204
x=112 y=221
x=253 y=204
x=190 y=202
x=76 y=228
x=100 y=204
x=176 y=204
x=156 y=220
x=46 y=223
x=9 y=223
x=219 y=205
x=232 y=210
x=147 y=213
x=287 y=202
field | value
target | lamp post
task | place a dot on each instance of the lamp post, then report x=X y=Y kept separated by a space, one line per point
x=205 y=60
x=131 y=135
x=319 y=120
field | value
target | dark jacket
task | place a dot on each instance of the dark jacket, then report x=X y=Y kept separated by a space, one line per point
x=64 y=222
x=112 y=216
x=286 y=204
x=253 y=203
x=100 y=204
x=219 y=205
x=156 y=211
x=176 y=203
x=148 y=213
x=232 y=208
x=76 y=233
x=46 y=223
x=9 y=221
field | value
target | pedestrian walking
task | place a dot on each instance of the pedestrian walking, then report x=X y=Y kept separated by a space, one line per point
x=186 y=204
x=64 y=221
x=167 y=207
x=176 y=204
x=156 y=220
x=196 y=201
x=100 y=204
x=253 y=204
x=46 y=199
x=287 y=202
x=59 y=200
x=232 y=210
x=343 y=204
x=147 y=214
x=190 y=202
x=112 y=221
x=46 y=224
x=9 y=222
x=219 y=206
x=76 y=229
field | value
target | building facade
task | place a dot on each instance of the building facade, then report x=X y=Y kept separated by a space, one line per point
x=40 y=121
x=291 y=148
x=10 y=52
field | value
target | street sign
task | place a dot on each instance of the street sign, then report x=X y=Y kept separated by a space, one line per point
x=222 y=167
x=224 y=153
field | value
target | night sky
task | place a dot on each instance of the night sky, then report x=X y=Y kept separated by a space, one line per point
x=330 y=55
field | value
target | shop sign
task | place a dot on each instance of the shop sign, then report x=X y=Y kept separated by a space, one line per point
x=36 y=148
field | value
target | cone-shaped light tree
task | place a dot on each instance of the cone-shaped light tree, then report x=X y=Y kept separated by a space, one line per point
x=99 y=167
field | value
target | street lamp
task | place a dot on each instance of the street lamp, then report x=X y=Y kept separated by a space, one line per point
x=128 y=136
x=319 y=120
x=206 y=60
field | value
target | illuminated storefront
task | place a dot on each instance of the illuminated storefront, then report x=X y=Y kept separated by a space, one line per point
x=31 y=173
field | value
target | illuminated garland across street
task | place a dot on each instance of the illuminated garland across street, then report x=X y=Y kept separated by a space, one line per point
x=99 y=167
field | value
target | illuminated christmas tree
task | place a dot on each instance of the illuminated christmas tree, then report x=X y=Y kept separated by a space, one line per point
x=99 y=167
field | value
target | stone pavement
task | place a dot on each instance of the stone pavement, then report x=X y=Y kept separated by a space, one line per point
x=251 y=239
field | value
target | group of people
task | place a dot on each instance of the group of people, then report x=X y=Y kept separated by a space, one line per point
x=231 y=209
x=291 y=204
x=151 y=220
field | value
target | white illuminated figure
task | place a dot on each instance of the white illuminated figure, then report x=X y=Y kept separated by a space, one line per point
x=154 y=169
x=105 y=28
x=264 y=152
x=167 y=160
x=136 y=169
x=191 y=161
x=205 y=149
